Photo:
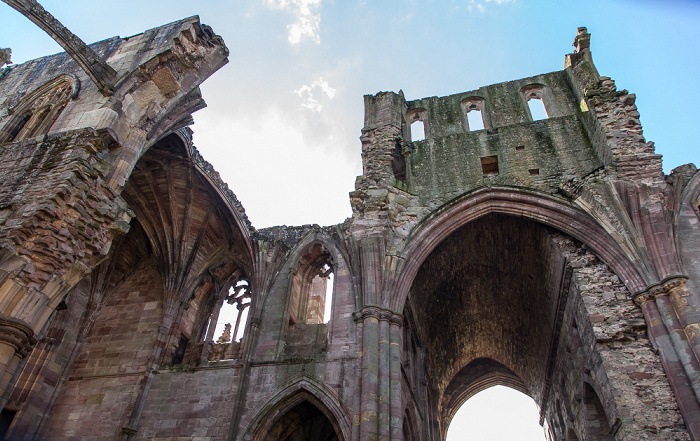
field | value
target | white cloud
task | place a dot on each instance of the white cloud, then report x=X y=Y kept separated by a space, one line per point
x=480 y=5
x=307 y=19
x=306 y=93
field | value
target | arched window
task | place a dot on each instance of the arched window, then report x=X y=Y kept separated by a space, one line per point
x=474 y=111
x=534 y=97
x=227 y=322
x=419 y=129
x=37 y=111
x=312 y=288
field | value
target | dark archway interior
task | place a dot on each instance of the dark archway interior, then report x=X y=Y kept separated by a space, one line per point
x=485 y=304
x=304 y=422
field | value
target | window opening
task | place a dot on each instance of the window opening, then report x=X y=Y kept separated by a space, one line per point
x=229 y=321
x=179 y=353
x=417 y=130
x=534 y=171
x=475 y=120
x=481 y=417
x=318 y=296
x=398 y=163
x=489 y=165
x=537 y=109
x=311 y=293
x=519 y=148
x=329 y=299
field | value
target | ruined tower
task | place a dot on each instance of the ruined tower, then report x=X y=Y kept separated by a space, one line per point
x=549 y=254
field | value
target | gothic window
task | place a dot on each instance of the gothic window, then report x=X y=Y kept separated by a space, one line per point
x=534 y=96
x=36 y=112
x=311 y=288
x=227 y=321
x=474 y=111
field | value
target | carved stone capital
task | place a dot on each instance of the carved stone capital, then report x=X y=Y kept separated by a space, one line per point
x=380 y=314
x=18 y=334
x=663 y=288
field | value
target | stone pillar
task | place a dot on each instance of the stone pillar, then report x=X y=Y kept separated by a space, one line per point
x=369 y=389
x=672 y=363
x=384 y=395
x=16 y=340
x=395 y=377
x=687 y=307
x=381 y=406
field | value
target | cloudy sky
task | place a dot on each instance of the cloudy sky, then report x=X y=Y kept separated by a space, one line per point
x=285 y=114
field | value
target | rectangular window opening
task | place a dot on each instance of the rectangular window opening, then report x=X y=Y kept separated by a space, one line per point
x=489 y=165
x=475 y=120
x=519 y=148
x=534 y=171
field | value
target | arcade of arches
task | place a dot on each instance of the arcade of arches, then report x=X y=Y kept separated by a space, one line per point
x=552 y=256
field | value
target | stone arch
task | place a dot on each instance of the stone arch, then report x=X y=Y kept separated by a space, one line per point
x=410 y=429
x=297 y=392
x=38 y=110
x=597 y=425
x=477 y=376
x=475 y=103
x=415 y=115
x=538 y=207
x=339 y=258
x=539 y=92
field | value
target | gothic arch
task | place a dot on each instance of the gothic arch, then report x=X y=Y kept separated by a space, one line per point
x=38 y=110
x=296 y=392
x=338 y=257
x=477 y=376
x=535 y=206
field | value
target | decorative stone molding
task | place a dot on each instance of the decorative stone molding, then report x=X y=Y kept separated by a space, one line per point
x=378 y=313
x=663 y=288
x=18 y=334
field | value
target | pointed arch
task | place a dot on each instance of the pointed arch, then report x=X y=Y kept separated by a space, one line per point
x=297 y=391
x=339 y=260
x=536 y=206
x=38 y=110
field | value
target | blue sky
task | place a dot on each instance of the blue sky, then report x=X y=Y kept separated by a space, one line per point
x=285 y=114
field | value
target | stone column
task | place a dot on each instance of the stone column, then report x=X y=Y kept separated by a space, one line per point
x=396 y=377
x=672 y=363
x=384 y=394
x=381 y=406
x=16 y=340
x=687 y=307
x=369 y=389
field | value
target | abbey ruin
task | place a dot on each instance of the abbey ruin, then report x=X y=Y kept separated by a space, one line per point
x=552 y=256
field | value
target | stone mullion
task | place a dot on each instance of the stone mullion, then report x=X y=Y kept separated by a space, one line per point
x=384 y=373
x=396 y=403
x=675 y=372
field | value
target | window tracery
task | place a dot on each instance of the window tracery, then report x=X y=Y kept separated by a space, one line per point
x=36 y=112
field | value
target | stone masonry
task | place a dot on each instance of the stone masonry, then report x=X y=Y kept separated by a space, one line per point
x=551 y=256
